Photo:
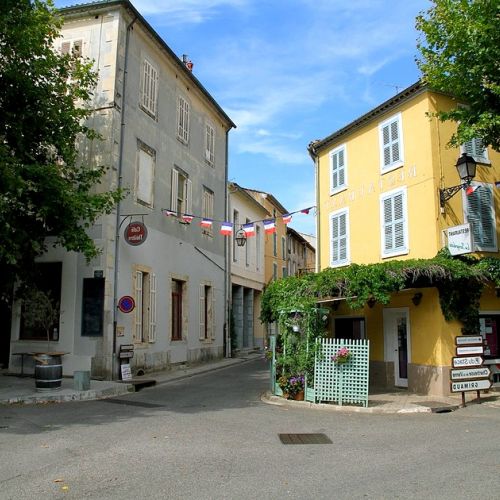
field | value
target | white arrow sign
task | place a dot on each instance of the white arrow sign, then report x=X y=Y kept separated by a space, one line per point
x=470 y=385
x=472 y=349
x=469 y=340
x=467 y=361
x=470 y=373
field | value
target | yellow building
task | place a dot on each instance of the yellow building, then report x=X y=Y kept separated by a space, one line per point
x=275 y=246
x=378 y=183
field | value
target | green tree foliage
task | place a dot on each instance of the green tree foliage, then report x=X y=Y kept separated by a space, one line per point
x=459 y=47
x=44 y=189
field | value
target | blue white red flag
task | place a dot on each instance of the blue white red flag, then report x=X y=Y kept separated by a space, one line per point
x=249 y=229
x=206 y=223
x=269 y=226
x=226 y=228
x=287 y=218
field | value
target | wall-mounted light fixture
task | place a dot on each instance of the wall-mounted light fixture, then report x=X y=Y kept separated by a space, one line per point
x=241 y=238
x=466 y=166
x=417 y=298
x=371 y=302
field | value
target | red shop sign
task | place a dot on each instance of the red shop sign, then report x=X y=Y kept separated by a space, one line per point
x=136 y=233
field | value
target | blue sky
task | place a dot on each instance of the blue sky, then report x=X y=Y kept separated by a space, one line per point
x=288 y=72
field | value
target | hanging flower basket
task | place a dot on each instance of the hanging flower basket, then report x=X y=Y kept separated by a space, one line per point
x=342 y=356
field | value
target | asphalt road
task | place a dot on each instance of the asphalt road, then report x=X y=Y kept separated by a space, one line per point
x=210 y=437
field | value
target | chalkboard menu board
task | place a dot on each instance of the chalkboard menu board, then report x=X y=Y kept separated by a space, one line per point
x=93 y=307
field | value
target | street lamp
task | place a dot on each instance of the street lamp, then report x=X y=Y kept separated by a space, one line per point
x=466 y=166
x=241 y=238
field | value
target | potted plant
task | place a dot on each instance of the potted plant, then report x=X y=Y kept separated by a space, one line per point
x=292 y=386
x=343 y=355
x=40 y=310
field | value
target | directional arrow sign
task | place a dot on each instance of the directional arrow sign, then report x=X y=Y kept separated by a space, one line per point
x=469 y=340
x=469 y=373
x=471 y=349
x=467 y=361
x=470 y=385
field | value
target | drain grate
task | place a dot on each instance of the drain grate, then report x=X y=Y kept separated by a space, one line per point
x=305 y=439
x=132 y=403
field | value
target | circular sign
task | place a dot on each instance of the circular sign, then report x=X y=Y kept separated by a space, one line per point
x=136 y=233
x=126 y=304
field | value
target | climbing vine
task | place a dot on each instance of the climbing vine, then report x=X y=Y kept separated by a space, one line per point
x=459 y=280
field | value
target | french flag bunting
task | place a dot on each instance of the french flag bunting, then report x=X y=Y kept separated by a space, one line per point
x=269 y=226
x=305 y=210
x=206 y=223
x=226 y=228
x=249 y=229
x=169 y=213
x=470 y=189
x=187 y=218
x=287 y=218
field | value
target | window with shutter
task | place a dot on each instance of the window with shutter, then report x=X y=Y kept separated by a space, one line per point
x=338 y=169
x=207 y=312
x=209 y=144
x=480 y=213
x=177 y=318
x=207 y=209
x=394 y=223
x=145 y=175
x=339 y=238
x=138 y=306
x=181 y=194
x=183 y=120
x=149 y=88
x=74 y=47
x=476 y=149
x=391 y=143
x=152 y=308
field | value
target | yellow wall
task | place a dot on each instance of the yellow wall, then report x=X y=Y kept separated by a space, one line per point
x=428 y=165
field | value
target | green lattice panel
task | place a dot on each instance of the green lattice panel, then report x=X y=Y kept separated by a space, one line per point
x=342 y=383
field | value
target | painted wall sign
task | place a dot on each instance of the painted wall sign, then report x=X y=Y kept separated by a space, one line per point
x=470 y=385
x=469 y=340
x=467 y=361
x=135 y=233
x=459 y=239
x=467 y=373
x=126 y=304
x=470 y=349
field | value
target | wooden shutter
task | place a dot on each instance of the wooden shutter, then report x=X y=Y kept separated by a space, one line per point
x=152 y=308
x=339 y=238
x=399 y=223
x=388 y=229
x=65 y=48
x=175 y=187
x=481 y=215
x=212 y=314
x=394 y=223
x=189 y=197
x=394 y=141
x=202 y=312
x=391 y=143
x=138 y=306
x=386 y=137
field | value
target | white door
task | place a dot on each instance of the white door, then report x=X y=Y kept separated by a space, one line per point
x=397 y=343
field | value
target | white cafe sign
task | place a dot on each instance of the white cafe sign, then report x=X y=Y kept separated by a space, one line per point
x=459 y=239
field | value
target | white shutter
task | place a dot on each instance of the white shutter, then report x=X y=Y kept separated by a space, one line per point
x=399 y=230
x=145 y=177
x=388 y=230
x=341 y=167
x=138 y=306
x=175 y=187
x=342 y=237
x=387 y=145
x=152 y=308
x=395 y=142
x=391 y=142
x=335 y=235
x=202 y=312
x=339 y=238
x=189 y=197
x=65 y=48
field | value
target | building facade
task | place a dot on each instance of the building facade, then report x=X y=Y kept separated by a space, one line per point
x=159 y=283
x=377 y=183
x=247 y=272
x=301 y=253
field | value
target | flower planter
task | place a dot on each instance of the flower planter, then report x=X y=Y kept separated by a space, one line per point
x=299 y=396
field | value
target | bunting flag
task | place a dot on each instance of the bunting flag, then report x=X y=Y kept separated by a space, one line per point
x=470 y=189
x=269 y=226
x=206 y=223
x=169 y=213
x=187 y=219
x=287 y=218
x=249 y=229
x=305 y=210
x=226 y=228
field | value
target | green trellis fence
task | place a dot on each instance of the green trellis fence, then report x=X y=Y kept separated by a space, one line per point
x=334 y=382
x=342 y=382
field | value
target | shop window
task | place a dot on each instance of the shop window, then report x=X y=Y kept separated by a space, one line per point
x=92 y=307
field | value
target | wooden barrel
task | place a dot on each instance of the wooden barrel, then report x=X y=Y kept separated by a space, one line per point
x=48 y=372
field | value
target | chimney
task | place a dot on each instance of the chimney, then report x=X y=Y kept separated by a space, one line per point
x=187 y=62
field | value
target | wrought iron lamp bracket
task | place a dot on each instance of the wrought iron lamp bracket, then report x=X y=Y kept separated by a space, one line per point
x=446 y=193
